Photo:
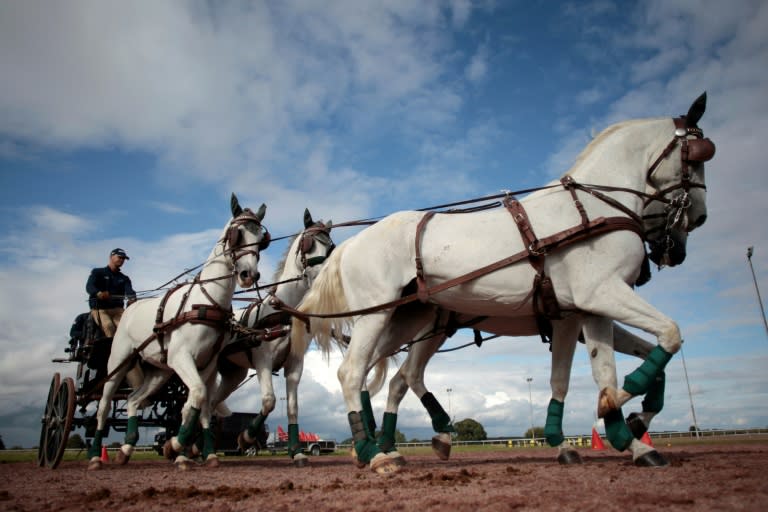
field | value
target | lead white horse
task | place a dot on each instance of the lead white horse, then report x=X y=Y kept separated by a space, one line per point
x=572 y=249
x=300 y=264
x=667 y=247
x=182 y=332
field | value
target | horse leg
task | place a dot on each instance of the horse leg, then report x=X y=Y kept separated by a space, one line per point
x=153 y=379
x=596 y=331
x=351 y=374
x=184 y=366
x=292 y=370
x=627 y=343
x=615 y=299
x=105 y=403
x=411 y=375
x=563 y=347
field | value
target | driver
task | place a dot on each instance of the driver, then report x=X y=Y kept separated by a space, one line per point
x=108 y=288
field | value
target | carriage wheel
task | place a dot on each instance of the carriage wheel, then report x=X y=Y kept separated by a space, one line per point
x=55 y=381
x=58 y=423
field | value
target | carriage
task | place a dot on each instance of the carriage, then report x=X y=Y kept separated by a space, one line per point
x=72 y=401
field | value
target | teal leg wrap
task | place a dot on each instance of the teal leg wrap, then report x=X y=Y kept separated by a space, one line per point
x=639 y=381
x=365 y=445
x=294 y=447
x=441 y=422
x=654 y=398
x=617 y=431
x=386 y=440
x=95 y=450
x=187 y=430
x=209 y=443
x=132 y=431
x=367 y=412
x=255 y=426
x=553 y=428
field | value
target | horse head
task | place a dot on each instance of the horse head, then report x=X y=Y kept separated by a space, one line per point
x=245 y=238
x=314 y=245
x=677 y=188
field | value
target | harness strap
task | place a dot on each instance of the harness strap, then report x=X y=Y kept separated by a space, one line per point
x=596 y=227
x=421 y=285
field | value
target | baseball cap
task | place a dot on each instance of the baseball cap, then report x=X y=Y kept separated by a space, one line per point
x=119 y=252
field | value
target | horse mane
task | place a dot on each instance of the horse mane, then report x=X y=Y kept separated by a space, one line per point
x=281 y=264
x=602 y=136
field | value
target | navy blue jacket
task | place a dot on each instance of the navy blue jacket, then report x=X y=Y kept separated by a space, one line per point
x=118 y=285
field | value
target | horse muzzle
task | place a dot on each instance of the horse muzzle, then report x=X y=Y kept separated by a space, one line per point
x=668 y=251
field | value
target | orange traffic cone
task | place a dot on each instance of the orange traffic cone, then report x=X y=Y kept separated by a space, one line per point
x=104 y=455
x=597 y=442
x=646 y=439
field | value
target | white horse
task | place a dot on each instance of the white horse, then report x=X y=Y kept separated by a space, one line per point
x=667 y=247
x=300 y=265
x=182 y=332
x=576 y=248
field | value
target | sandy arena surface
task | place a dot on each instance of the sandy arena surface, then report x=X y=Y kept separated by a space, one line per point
x=700 y=478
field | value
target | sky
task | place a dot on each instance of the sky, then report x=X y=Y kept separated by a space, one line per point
x=130 y=124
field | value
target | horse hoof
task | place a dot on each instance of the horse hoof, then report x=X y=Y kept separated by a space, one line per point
x=441 y=445
x=636 y=425
x=606 y=402
x=383 y=465
x=300 y=460
x=212 y=461
x=242 y=442
x=652 y=459
x=568 y=457
x=396 y=458
x=360 y=464
x=94 y=464
x=121 y=459
x=168 y=451
x=183 y=463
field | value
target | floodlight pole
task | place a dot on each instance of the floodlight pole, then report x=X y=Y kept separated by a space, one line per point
x=449 y=390
x=750 y=250
x=690 y=396
x=530 y=400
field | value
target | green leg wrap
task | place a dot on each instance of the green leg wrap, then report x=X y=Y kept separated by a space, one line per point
x=187 y=430
x=617 y=431
x=654 y=398
x=209 y=443
x=255 y=426
x=365 y=445
x=132 y=431
x=441 y=422
x=386 y=440
x=368 y=418
x=95 y=450
x=294 y=447
x=553 y=428
x=639 y=381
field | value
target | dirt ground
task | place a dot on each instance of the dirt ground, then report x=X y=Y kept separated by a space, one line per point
x=699 y=478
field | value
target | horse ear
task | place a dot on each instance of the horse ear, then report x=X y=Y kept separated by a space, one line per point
x=329 y=225
x=262 y=211
x=697 y=110
x=235 y=205
x=308 y=218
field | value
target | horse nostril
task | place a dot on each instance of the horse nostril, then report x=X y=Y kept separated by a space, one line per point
x=244 y=275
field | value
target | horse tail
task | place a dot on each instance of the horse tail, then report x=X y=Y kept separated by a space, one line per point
x=325 y=297
x=376 y=382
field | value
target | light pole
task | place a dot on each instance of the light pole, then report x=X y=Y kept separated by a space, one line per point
x=690 y=396
x=750 y=250
x=449 y=390
x=530 y=400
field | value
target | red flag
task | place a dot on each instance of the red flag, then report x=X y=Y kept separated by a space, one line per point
x=281 y=434
x=302 y=436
